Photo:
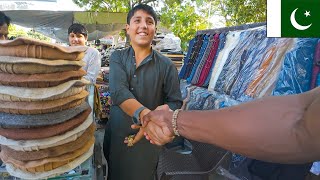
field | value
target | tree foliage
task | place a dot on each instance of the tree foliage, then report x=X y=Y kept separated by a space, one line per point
x=183 y=21
x=16 y=31
x=241 y=11
x=116 y=5
x=185 y=17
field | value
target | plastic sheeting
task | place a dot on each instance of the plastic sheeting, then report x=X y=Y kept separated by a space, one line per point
x=296 y=72
x=198 y=98
x=249 y=40
x=260 y=72
x=170 y=41
x=315 y=169
x=253 y=67
x=55 y=24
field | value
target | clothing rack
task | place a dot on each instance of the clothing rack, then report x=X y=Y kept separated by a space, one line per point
x=233 y=28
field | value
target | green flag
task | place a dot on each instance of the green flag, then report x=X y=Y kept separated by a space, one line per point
x=300 y=18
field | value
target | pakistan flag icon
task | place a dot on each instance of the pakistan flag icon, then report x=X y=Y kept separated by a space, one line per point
x=300 y=18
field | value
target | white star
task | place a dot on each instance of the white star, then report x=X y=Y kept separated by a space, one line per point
x=307 y=13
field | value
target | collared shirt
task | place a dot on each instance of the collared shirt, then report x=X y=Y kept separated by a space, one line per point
x=154 y=82
x=222 y=41
x=199 y=58
x=92 y=59
x=187 y=58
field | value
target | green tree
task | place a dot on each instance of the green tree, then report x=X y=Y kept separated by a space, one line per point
x=183 y=21
x=17 y=31
x=185 y=17
x=241 y=11
x=36 y=35
x=116 y=5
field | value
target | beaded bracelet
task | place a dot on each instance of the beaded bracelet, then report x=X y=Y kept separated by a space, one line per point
x=174 y=122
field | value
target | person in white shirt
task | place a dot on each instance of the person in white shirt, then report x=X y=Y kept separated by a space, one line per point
x=78 y=36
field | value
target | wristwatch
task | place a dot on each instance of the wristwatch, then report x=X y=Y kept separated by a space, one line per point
x=136 y=116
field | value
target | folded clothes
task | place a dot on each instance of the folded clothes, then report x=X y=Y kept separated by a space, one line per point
x=20 y=65
x=37 y=144
x=51 y=151
x=40 y=80
x=42 y=107
x=70 y=92
x=27 y=121
x=43 y=175
x=41 y=93
x=50 y=163
x=45 y=131
x=27 y=47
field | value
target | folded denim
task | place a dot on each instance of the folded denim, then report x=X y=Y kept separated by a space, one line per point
x=45 y=131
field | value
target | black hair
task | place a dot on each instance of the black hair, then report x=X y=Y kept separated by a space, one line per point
x=78 y=28
x=148 y=9
x=4 y=19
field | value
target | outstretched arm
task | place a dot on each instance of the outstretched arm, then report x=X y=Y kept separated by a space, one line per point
x=280 y=129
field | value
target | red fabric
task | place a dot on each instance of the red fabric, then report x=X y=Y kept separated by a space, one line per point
x=316 y=66
x=208 y=64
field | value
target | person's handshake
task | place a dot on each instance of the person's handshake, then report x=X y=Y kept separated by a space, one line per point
x=157 y=126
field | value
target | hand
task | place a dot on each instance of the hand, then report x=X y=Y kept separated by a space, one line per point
x=129 y=141
x=158 y=135
x=164 y=107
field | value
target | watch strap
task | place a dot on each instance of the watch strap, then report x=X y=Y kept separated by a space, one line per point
x=136 y=115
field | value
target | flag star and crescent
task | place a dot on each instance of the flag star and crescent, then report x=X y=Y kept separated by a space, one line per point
x=298 y=18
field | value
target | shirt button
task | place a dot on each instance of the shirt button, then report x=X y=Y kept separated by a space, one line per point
x=131 y=89
x=134 y=76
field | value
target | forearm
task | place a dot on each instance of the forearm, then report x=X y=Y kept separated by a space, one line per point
x=129 y=106
x=269 y=129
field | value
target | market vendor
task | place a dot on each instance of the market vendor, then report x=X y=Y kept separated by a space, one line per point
x=4 y=26
x=78 y=36
x=141 y=79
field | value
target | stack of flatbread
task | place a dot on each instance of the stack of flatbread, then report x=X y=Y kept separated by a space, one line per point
x=46 y=125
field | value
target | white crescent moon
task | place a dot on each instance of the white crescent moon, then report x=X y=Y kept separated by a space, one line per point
x=294 y=22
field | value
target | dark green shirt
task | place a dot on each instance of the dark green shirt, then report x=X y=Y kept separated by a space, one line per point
x=155 y=82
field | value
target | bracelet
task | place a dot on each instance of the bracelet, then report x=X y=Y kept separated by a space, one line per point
x=174 y=122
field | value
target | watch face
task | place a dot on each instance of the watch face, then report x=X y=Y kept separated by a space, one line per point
x=135 y=120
